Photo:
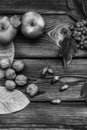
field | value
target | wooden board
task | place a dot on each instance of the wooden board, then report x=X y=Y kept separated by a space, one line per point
x=41 y=113
x=11 y=7
x=64 y=116
x=33 y=69
x=36 y=54
x=44 y=47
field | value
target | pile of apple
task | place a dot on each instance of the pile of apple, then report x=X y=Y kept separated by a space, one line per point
x=31 y=25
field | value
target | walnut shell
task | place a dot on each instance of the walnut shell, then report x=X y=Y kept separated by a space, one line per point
x=21 y=80
x=18 y=65
x=4 y=63
x=32 y=89
x=10 y=85
x=10 y=74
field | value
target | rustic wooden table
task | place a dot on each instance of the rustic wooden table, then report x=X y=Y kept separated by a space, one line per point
x=36 y=54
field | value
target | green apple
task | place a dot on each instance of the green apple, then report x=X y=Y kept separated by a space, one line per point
x=7 y=31
x=32 y=24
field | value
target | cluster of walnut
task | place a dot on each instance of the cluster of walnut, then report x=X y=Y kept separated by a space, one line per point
x=13 y=76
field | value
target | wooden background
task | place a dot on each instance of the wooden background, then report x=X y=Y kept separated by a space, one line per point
x=36 y=54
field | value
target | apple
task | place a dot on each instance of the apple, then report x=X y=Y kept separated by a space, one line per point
x=32 y=24
x=7 y=31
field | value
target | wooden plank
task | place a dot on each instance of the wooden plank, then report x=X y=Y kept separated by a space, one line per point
x=35 y=129
x=33 y=67
x=47 y=91
x=44 y=46
x=21 y=6
x=44 y=115
x=72 y=5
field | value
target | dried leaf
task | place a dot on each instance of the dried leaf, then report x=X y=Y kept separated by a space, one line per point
x=77 y=9
x=83 y=92
x=15 y=21
x=68 y=50
x=7 y=52
x=81 y=8
x=12 y=101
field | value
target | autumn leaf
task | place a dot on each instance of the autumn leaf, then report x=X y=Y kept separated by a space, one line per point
x=7 y=52
x=15 y=21
x=83 y=92
x=77 y=9
x=68 y=50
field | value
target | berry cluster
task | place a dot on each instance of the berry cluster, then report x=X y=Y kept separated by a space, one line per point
x=80 y=34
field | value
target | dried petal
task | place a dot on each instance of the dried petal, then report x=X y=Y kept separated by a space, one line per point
x=54 y=79
x=50 y=71
x=15 y=21
x=64 y=87
x=44 y=71
x=56 y=101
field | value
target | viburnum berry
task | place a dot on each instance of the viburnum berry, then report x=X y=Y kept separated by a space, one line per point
x=80 y=32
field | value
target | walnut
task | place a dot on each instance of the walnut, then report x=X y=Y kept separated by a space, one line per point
x=5 y=63
x=32 y=89
x=21 y=80
x=10 y=85
x=18 y=65
x=10 y=74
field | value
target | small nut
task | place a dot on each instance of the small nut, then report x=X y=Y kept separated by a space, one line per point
x=2 y=74
x=64 y=87
x=21 y=80
x=10 y=85
x=50 y=71
x=18 y=65
x=10 y=74
x=4 y=63
x=56 y=101
x=44 y=71
x=55 y=79
x=32 y=89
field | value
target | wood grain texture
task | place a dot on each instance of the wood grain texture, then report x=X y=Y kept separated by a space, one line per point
x=33 y=69
x=36 y=54
x=45 y=46
x=35 y=129
x=21 y=6
x=65 y=115
x=75 y=12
